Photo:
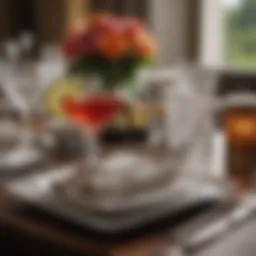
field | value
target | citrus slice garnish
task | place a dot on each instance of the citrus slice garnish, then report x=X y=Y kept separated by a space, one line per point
x=59 y=90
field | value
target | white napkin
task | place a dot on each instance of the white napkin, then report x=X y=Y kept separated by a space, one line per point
x=19 y=158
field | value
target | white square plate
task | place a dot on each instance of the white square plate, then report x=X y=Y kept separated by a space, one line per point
x=39 y=191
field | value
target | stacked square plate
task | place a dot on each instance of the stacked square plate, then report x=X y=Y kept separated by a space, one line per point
x=114 y=210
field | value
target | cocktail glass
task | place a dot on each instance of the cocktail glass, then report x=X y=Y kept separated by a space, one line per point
x=90 y=112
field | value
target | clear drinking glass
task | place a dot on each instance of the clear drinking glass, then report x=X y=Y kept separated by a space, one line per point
x=185 y=127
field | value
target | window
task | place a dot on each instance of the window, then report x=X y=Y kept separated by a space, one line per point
x=239 y=33
x=228 y=33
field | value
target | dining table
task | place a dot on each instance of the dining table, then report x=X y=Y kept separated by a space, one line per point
x=28 y=231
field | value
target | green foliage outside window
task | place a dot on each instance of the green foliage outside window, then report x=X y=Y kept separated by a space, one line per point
x=241 y=34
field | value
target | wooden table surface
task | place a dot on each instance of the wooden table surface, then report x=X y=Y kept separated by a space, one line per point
x=22 y=233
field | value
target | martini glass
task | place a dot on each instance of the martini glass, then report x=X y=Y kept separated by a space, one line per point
x=90 y=112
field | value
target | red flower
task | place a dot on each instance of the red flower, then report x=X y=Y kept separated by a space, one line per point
x=80 y=45
x=70 y=48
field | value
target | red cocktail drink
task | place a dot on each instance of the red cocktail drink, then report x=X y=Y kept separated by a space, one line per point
x=95 y=110
x=91 y=113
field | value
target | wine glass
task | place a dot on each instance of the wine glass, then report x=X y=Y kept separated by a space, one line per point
x=24 y=86
x=26 y=42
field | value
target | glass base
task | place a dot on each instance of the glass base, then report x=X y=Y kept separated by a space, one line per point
x=126 y=168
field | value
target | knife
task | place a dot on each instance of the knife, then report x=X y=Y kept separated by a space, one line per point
x=214 y=230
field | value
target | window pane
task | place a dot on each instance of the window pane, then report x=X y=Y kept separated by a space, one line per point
x=240 y=33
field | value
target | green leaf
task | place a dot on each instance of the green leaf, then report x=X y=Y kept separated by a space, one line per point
x=112 y=72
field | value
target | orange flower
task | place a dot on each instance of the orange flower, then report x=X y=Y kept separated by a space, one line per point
x=112 y=45
x=144 y=45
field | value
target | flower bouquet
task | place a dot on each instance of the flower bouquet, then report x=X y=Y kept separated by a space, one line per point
x=110 y=47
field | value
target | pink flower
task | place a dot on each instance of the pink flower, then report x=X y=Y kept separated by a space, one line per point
x=132 y=28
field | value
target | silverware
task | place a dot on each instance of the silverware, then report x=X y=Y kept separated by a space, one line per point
x=202 y=233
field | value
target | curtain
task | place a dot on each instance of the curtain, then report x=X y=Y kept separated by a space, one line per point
x=211 y=33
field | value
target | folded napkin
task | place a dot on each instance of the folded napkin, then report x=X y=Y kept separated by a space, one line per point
x=20 y=159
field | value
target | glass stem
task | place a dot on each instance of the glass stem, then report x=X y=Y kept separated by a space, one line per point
x=27 y=134
x=93 y=147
